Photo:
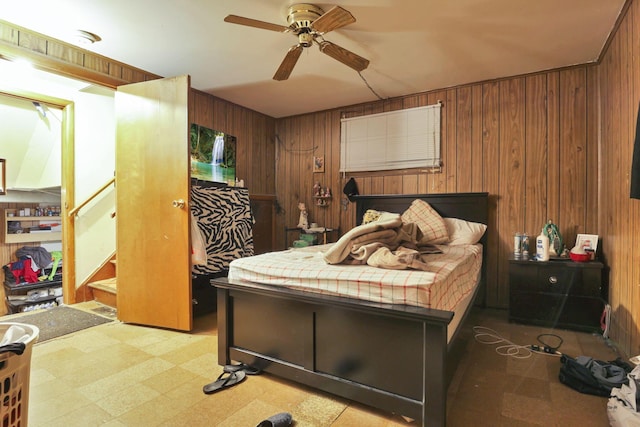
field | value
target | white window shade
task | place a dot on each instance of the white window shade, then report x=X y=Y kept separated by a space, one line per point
x=400 y=139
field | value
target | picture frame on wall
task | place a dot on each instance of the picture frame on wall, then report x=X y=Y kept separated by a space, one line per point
x=318 y=164
x=213 y=155
x=588 y=242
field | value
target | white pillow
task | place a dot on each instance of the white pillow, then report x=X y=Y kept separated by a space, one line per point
x=463 y=232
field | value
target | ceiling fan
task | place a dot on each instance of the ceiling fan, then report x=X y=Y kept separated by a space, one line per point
x=309 y=23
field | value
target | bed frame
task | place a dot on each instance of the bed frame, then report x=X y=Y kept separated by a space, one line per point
x=392 y=357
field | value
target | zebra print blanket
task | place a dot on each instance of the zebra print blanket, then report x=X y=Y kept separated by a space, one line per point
x=225 y=220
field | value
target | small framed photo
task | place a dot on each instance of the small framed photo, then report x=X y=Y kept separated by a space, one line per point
x=318 y=164
x=588 y=242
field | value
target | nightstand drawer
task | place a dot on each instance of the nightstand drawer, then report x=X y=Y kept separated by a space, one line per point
x=539 y=278
x=536 y=308
x=580 y=313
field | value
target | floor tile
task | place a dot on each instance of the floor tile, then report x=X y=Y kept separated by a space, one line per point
x=125 y=375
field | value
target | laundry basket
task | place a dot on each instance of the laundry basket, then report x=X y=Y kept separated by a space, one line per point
x=14 y=378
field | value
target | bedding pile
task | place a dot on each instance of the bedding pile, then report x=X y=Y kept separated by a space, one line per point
x=390 y=240
x=384 y=243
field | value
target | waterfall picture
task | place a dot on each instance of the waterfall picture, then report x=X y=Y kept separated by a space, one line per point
x=213 y=155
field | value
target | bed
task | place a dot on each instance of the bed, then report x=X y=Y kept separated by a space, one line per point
x=390 y=356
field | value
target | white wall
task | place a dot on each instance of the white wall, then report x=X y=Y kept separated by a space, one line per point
x=95 y=165
x=30 y=142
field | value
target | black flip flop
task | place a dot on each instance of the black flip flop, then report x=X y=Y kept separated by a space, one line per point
x=225 y=380
x=283 y=419
x=249 y=370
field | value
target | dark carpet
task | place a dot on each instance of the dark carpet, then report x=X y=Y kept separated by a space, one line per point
x=62 y=320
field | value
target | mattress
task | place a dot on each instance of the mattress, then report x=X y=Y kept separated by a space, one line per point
x=450 y=277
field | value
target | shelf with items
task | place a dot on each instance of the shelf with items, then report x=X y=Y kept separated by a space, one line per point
x=30 y=228
x=321 y=195
x=27 y=296
x=322 y=200
x=34 y=301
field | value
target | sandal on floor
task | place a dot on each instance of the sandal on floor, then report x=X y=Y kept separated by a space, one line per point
x=249 y=370
x=283 y=419
x=225 y=380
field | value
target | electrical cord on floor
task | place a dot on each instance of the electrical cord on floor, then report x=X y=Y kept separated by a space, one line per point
x=488 y=336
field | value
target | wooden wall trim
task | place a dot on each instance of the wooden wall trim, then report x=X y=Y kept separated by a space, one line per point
x=62 y=58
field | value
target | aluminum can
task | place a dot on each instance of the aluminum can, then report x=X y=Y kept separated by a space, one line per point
x=517 y=244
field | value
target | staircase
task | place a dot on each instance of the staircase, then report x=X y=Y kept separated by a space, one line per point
x=104 y=290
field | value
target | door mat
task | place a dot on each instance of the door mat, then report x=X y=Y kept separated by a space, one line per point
x=59 y=321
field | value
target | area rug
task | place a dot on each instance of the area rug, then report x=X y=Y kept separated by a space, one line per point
x=58 y=321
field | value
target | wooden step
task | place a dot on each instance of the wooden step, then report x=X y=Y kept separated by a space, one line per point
x=104 y=291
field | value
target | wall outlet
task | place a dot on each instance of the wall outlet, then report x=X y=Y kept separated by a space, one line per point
x=635 y=360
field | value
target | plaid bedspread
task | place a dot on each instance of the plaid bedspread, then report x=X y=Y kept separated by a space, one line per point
x=451 y=276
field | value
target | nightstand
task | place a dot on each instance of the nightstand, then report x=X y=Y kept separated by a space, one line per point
x=557 y=293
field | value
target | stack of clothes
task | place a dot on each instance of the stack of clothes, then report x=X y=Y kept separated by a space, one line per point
x=34 y=264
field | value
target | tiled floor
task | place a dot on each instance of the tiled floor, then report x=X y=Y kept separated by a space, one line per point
x=123 y=375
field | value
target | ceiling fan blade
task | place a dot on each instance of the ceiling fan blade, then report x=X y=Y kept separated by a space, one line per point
x=289 y=61
x=336 y=17
x=343 y=55
x=241 y=20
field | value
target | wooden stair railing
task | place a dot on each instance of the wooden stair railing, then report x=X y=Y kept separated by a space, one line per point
x=74 y=212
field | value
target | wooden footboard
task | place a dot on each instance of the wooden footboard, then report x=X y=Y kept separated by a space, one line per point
x=392 y=358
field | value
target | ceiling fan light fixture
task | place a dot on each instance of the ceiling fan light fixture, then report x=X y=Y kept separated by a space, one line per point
x=305 y=39
x=85 y=38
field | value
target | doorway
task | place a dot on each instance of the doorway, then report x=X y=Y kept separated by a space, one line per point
x=31 y=140
x=87 y=161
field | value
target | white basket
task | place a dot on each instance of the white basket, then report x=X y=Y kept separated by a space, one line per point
x=14 y=379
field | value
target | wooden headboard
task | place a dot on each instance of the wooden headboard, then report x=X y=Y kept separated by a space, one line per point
x=468 y=206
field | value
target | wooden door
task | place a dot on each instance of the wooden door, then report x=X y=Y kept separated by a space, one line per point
x=152 y=203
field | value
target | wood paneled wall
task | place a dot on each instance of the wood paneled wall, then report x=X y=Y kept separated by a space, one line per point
x=619 y=216
x=525 y=140
x=254 y=132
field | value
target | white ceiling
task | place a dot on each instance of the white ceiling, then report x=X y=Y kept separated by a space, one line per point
x=413 y=45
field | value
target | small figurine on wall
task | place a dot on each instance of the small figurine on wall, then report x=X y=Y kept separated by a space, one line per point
x=303 y=222
x=317 y=188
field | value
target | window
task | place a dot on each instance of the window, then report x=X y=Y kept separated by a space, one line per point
x=400 y=139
